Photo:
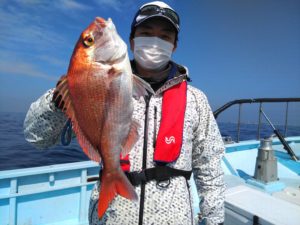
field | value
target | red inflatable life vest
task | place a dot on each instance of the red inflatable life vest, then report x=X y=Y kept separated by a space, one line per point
x=169 y=138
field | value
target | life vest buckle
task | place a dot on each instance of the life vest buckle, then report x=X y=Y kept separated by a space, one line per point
x=163 y=183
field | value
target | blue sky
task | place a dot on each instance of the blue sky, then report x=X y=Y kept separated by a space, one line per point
x=233 y=48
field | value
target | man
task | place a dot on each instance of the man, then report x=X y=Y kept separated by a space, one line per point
x=178 y=134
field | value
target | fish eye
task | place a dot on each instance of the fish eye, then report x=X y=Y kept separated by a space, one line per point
x=88 y=40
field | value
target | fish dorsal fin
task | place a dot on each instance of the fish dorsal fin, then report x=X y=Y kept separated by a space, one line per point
x=61 y=93
x=140 y=87
x=131 y=139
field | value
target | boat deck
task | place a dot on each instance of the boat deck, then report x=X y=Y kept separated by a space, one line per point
x=277 y=202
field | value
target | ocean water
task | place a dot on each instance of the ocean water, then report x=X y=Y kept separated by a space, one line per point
x=16 y=153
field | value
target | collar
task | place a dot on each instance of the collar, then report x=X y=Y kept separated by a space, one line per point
x=176 y=74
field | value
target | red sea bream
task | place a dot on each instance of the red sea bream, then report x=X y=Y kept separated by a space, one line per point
x=97 y=95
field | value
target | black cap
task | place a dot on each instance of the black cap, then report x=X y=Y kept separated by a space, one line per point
x=155 y=9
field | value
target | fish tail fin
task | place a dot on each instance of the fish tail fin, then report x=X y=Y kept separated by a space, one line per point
x=111 y=185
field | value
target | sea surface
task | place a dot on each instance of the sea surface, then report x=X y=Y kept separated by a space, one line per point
x=16 y=153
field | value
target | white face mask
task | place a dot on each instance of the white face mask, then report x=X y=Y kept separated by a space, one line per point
x=152 y=52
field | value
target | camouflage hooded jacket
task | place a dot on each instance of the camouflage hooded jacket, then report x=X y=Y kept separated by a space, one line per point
x=202 y=151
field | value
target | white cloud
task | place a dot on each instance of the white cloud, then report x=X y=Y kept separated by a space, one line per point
x=58 y=4
x=31 y=41
x=20 y=29
x=30 y=2
x=53 y=61
x=71 y=5
x=117 y=5
x=23 y=69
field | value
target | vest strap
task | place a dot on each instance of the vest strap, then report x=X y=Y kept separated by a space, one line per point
x=158 y=173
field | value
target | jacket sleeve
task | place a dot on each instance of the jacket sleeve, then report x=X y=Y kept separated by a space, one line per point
x=208 y=149
x=44 y=122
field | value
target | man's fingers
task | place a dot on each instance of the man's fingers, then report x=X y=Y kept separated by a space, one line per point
x=57 y=102
x=54 y=96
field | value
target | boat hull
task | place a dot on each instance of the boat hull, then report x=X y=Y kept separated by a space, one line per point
x=59 y=194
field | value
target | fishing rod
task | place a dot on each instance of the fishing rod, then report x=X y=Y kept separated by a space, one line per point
x=281 y=138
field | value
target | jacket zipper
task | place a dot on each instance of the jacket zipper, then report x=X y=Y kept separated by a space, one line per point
x=155 y=124
x=190 y=200
x=143 y=185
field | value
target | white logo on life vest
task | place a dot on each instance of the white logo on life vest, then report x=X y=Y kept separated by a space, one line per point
x=170 y=140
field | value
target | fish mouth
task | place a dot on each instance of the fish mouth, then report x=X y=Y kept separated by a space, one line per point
x=107 y=58
x=100 y=22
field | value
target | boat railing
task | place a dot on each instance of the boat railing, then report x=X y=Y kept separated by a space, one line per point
x=55 y=194
x=259 y=101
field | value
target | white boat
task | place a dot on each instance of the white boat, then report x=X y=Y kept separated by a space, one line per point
x=59 y=194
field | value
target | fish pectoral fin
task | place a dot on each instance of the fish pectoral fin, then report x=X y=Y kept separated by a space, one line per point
x=61 y=95
x=110 y=187
x=62 y=79
x=131 y=139
x=140 y=87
